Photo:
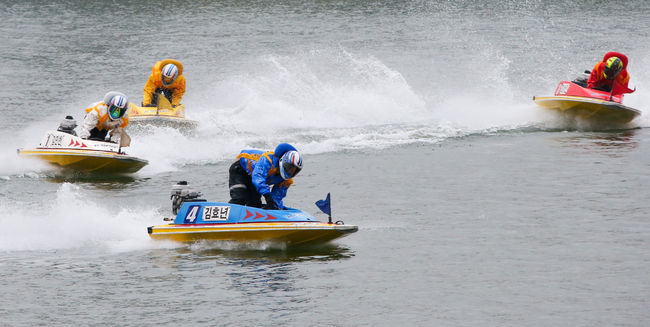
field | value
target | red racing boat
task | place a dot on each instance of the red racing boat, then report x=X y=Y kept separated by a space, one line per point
x=574 y=100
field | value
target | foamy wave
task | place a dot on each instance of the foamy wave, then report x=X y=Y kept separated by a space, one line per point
x=75 y=220
x=320 y=101
x=309 y=90
x=324 y=101
x=332 y=100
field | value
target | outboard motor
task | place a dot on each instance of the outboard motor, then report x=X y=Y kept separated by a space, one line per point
x=181 y=192
x=68 y=125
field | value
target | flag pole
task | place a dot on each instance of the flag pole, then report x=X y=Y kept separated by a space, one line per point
x=326 y=207
x=613 y=87
x=329 y=221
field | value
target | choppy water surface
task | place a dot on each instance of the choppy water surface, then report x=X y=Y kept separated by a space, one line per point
x=475 y=207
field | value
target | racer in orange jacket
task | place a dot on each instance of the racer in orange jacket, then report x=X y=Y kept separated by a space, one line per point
x=612 y=68
x=107 y=116
x=167 y=79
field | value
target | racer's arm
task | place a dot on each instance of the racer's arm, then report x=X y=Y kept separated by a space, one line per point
x=623 y=78
x=90 y=122
x=149 y=89
x=259 y=175
x=125 y=122
x=179 y=91
x=280 y=191
x=595 y=76
x=116 y=133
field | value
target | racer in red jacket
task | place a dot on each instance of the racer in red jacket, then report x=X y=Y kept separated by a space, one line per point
x=612 y=68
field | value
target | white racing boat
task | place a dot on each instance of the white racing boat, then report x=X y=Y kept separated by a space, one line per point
x=72 y=152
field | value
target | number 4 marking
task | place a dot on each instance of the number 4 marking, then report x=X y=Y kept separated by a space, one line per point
x=191 y=215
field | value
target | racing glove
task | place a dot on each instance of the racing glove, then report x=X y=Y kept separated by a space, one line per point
x=270 y=203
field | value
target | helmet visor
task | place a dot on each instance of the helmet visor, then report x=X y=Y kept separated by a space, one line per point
x=610 y=73
x=290 y=169
x=167 y=80
x=116 y=112
x=613 y=67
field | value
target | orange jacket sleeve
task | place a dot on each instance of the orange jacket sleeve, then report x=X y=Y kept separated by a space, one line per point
x=179 y=90
x=149 y=89
x=125 y=122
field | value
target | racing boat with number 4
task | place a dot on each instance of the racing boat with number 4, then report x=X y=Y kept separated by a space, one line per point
x=198 y=220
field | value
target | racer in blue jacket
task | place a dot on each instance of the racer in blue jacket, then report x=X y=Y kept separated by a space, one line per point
x=252 y=175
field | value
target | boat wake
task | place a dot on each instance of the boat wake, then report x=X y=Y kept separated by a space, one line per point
x=333 y=100
x=75 y=220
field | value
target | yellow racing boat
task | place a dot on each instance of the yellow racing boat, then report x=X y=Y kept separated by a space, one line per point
x=161 y=115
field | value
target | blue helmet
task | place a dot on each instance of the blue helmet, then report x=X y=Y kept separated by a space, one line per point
x=290 y=164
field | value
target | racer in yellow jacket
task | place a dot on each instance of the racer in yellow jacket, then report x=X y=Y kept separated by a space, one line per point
x=104 y=117
x=166 y=79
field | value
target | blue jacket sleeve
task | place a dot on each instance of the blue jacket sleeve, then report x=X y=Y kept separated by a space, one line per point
x=278 y=193
x=259 y=174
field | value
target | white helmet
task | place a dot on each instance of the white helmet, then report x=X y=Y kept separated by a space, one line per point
x=290 y=164
x=169 y=74
x=117 y=104
x=117 y=107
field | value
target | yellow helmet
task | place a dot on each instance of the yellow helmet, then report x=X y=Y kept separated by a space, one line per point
x=613 y=66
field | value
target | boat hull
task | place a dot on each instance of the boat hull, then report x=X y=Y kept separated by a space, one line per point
x=589 y=109
x=170 y=117
x=289 y=233
x=87 y=160
x=216 y=221
x=593 y=105
x=71 y=152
